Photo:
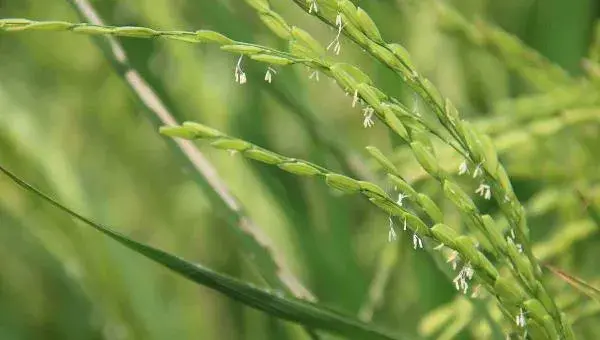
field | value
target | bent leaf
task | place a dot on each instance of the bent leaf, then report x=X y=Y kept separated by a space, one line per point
x=286 y=308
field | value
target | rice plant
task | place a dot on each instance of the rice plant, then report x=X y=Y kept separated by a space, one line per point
x=305 y=169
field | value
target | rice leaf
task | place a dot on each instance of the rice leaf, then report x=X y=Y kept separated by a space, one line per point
x=286 y=308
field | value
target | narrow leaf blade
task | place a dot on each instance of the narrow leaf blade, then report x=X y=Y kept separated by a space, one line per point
x=286 y=308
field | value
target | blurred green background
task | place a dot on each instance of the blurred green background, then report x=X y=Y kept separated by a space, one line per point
x=71 y=125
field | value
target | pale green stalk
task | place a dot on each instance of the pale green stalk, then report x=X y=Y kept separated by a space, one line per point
x=564 y=239
x=511 y=113
x=545 y=128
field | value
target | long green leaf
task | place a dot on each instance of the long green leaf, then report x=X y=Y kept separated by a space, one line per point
x=290 y=309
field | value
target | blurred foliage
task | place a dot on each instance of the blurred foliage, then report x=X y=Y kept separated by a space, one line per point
x=70 y=124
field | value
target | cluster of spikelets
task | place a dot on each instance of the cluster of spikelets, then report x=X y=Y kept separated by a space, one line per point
x=498 y=261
